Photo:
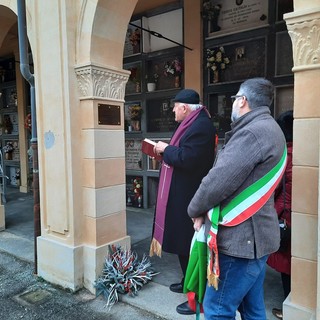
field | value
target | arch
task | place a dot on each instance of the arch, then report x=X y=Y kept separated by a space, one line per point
x=8 y=19
x=9 y=42
x=102 y=25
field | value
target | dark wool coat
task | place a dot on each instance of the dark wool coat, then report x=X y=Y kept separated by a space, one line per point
x=191 y=161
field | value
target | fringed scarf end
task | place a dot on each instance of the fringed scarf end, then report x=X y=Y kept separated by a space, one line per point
x=213 y=279
x=155 y=248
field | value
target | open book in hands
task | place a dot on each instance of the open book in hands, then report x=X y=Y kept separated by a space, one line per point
x=147 y=148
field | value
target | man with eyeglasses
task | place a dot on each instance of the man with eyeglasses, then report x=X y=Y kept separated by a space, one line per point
x=237 y=197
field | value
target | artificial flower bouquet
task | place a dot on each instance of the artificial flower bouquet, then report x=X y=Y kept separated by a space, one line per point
x=135 y=112
x=217 y=59
x=8 y=148
x=173 y=68
x=137 y=187
x=135 y=37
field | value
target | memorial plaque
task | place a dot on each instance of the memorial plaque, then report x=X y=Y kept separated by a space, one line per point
x=133 y=154
x=160 y=117
x=236 y=16
x=109 y=114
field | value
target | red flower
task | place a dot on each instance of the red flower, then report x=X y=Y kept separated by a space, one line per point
x=27 y=122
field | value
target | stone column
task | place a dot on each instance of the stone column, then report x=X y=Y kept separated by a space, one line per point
x=103 y=164
x=304 y=30
x=193 y=39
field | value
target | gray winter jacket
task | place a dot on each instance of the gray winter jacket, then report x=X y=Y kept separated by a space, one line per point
x=252 y=148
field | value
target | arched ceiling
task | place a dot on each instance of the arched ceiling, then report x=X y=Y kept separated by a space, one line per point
x=8 y=32
x=9 y=27
x=146 y=5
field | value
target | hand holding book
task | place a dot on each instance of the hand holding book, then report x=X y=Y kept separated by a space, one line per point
x=153 y=149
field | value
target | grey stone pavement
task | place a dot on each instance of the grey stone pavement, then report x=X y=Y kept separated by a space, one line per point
x=23 y=295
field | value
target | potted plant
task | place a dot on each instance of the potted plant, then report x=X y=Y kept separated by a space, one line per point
x=152 y=82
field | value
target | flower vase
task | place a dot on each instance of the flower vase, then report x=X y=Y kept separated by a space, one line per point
x=151 y=86
x=215 y=76
x=136 y=47
x=177 y=82
x=140 y=201
x=135 y=125
x=154 y=164
x=138 y=87
x=129 y=202
x=214 y=25
x=8 y=155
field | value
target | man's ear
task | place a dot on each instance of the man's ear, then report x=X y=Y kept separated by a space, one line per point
x=243 y=102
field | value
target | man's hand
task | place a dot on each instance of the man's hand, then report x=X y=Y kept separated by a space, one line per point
x=159 y=147
x=197 y=223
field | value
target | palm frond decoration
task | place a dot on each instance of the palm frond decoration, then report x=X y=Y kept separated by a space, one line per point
x=123 y=273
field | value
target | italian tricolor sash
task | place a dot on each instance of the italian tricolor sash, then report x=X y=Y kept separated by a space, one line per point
x=238 y=210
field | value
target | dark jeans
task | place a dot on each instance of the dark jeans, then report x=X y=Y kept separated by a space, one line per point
x=240 y=287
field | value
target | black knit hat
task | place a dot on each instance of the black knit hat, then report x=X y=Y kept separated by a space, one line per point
x=187 y=96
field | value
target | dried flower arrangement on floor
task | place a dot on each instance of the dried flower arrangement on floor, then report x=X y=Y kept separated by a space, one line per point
x=123 y=273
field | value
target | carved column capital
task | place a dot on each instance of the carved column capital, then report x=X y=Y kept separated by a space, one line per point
x=304 y=30
x=98 y=82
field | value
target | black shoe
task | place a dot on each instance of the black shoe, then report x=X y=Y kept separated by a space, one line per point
x=176 y=287
x=277 y=313
x=184 y=308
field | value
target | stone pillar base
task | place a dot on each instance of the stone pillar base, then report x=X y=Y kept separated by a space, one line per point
x=2 y=217
x=294 y=311
x=60 y=264
x=73 y=267
x=23 y=189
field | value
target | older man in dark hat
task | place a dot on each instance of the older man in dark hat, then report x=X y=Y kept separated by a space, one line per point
x=186 y=160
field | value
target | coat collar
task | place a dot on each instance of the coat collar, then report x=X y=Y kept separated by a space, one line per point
x=245 y=119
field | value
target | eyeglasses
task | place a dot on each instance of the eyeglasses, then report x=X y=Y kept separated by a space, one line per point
x=234 y=98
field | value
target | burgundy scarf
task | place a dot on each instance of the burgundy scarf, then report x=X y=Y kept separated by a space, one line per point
x=164 y=186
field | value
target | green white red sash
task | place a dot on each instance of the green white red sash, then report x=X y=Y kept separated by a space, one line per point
x=238 y=210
